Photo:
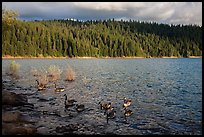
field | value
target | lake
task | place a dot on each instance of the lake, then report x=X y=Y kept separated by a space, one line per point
x=166 y=94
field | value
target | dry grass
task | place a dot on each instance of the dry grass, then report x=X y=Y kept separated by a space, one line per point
x=43 y=79
x=70 y=74
x=40 y=75
x=14 y=69
x=35 y=72
x=54 y=73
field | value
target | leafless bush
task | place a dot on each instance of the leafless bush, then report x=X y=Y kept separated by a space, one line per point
x=35 y=72
x=14 y=69
x=54 y=73
x=40 y=75
x=69 y=74
x=42 y=79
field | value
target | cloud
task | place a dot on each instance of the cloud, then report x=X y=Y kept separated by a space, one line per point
x=109 y=6
x=187 y=13
x=161 y=12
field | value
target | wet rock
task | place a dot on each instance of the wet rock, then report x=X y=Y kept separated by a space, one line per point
x=79 y=129
x=109 y=133
x=55 y=113
x=11 y=129
x=25 y=108
x=15 y=117
x=52 y=103
x=42 y=131
x=13 y=99
x=44 y=99
x=68 y=128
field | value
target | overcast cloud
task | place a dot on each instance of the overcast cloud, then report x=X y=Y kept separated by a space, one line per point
x=161 y=12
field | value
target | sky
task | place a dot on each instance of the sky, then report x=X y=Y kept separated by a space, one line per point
x=161 y=12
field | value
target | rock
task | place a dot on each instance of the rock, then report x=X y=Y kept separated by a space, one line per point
x=13 y=99
x=15 y=117
x=68 y=128
x=11 y=129
x=44 y=99
x=78 y=129
x=42 y=131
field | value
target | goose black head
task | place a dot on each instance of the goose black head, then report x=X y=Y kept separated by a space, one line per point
x=65 y=96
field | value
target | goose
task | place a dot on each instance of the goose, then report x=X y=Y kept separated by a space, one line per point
x=40 y=86
x=110 y=114
x=59 y=89
x=105 y=106
x=127 y=102
x=127 y=113
x=80 y=107
x=68 y=103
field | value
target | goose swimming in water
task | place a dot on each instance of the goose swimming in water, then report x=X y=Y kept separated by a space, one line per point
x=69 y=102
x=58 y=89
x=80 y=107
x=105 y=106
x=110 y=114
x=127 y=113
x=40 y=86
x=127 y=102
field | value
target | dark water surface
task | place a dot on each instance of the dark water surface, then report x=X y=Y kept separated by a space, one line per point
x=166 y=94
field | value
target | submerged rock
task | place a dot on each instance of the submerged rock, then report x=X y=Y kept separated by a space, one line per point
x=15 y=117
x=13 y=99
x=11 y=129
x=78 y=129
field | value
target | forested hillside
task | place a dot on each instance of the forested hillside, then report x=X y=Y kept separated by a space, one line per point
x=108 y=38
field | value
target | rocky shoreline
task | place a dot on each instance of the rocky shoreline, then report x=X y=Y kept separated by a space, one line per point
x=14 y=121
x=20 y=117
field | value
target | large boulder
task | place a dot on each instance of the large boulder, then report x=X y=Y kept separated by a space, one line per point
x=13 y=99
x=15 y=117
x=11 y=129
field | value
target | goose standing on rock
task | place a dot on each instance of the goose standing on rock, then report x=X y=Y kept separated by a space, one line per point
x=68 y=102
x=58 y=89
x=40 y=86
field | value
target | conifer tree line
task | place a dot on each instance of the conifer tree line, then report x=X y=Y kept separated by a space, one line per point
x=101 y=38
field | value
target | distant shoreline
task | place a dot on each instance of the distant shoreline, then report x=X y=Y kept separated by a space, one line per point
x=49 y=57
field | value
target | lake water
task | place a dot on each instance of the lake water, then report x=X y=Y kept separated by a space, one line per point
x=166 y=94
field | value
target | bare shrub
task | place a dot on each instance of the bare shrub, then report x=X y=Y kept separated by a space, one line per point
x=40 y=75
x=14 y=69
x=42 y=79
x=69 y=74
x=35 y=72
x=54 y=73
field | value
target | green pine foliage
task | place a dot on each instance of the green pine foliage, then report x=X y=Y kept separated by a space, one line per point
x=108 y=38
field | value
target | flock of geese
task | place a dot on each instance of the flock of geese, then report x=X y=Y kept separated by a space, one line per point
x=107 y=107
x=43 y=87
x=111 y=113
x=71 y=102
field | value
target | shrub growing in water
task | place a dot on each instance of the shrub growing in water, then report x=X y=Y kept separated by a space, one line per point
x=35 y=72
x=69 y=74
x=40 y=75
x=14 y=69
x=54 y=73
x=42 y=79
